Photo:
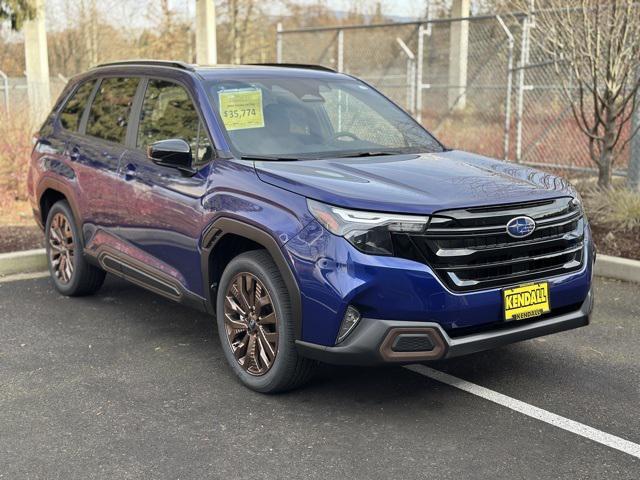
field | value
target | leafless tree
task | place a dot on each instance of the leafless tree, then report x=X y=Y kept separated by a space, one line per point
x=595 y=47
x=16 y=11
x=242 y=22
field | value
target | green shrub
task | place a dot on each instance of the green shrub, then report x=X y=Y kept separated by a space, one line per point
x=618 y=209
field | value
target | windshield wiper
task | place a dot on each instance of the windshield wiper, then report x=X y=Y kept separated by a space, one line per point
x=366 y=154
x=346 y=155
x=267 y=157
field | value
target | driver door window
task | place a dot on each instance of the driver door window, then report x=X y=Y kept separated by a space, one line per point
x=168 y=112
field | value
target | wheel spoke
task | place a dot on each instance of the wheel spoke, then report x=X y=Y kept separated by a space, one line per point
x=231 y=302
x=251 y=289
x=271 y=337
x=62 y=268
x=60 y=235
x=265 y=343
x=249 y=358
x=262 y=354
x=242 y=294
x=55 y=245
x=54 y=235
x=269 y=319
x=262 y=302
x=240 y=348
x=233 y=323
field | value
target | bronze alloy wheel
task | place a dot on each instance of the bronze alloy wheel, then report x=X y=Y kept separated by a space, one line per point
x=61 y=248
x=251 y=324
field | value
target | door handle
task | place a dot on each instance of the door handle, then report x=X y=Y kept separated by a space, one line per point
x=74 y=154
x=130 y=172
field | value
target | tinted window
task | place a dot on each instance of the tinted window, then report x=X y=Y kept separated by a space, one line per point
x=168 y=112
x=109 y=114
x=71 y=114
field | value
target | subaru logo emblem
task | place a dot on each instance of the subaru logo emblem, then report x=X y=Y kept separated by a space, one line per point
x=521 y=227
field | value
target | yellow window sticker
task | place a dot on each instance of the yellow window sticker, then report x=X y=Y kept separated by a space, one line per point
x=241 y=109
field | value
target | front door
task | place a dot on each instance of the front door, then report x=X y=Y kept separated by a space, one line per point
x=162 y=209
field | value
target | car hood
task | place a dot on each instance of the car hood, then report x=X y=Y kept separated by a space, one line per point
x=423 y=183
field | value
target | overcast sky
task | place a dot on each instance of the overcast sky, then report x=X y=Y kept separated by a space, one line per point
x=396 y=8
x=57 y=17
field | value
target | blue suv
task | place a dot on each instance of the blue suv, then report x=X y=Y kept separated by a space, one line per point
x=305 y=210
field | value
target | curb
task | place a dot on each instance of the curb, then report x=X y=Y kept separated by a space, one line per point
x=28 y=261
x=31 y=261
x=618 y=268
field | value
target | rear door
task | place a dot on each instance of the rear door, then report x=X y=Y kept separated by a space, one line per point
x=96 y=152
x=162 y=205
x=68 y=137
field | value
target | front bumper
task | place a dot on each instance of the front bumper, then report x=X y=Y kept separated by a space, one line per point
x=332 y=274
x=372 y=342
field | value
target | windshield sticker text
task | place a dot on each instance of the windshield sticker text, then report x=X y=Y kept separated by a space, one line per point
x=241 y=109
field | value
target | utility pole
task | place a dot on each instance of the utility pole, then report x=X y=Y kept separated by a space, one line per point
x=37 y=64
x=206 y=51
x=458 y=55
x=633 y=174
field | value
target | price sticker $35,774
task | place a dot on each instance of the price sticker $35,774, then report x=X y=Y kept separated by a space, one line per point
x=241 y=109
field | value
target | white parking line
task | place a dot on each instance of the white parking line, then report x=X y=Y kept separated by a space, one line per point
x=578 y=428
x=23 y=276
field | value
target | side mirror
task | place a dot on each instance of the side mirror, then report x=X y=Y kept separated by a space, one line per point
x=174 y=152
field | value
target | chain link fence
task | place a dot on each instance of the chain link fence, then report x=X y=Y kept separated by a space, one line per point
x=478 y=83
x=14 y=92
x=383 y=55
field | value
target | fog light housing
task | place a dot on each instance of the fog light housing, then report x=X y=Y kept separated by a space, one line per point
x=349 y=321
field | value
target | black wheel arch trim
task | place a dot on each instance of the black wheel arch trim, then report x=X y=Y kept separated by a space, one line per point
x=62 y=188
x=227 y=225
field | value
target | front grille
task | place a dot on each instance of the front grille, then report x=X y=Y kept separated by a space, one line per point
x=469 y=249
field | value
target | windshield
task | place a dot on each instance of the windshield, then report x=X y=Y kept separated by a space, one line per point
x=302 y=118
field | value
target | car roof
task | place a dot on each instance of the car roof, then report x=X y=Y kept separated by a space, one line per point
x=297 y=71
x=222 y=70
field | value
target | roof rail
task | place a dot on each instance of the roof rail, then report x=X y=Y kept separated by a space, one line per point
x=153 y=63
x=296 y=65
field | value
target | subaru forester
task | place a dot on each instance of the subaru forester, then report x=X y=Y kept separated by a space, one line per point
x=312 y=216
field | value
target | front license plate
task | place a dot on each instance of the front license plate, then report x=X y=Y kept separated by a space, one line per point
x=526 y=301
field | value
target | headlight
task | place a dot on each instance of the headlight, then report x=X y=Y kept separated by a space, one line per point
x=369 y=232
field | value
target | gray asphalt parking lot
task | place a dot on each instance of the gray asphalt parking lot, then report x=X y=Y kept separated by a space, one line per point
x=127 y=385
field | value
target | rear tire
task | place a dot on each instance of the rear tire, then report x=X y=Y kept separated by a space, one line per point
x=72 y=275
x=253 y=313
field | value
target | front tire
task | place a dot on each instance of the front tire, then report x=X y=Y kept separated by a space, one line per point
x=72 y=275
x=256 y=325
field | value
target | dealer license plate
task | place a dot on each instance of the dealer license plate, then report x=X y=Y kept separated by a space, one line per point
x=526 y=301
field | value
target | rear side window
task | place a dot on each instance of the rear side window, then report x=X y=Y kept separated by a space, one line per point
x=71 y=114
x=168 y=112
x=109 y=114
